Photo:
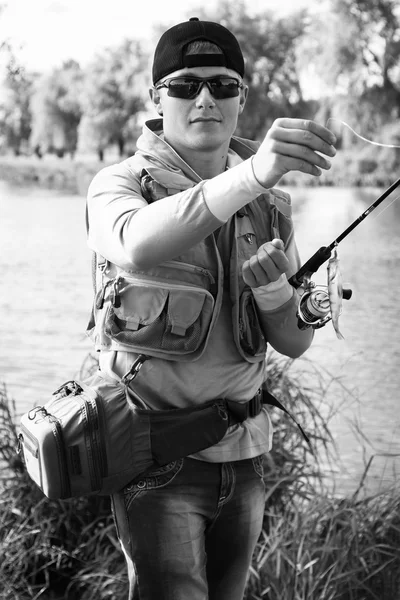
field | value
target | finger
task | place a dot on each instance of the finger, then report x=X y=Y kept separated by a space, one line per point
x=304 y=138
x=273 y=260
x=248 y=275
x=307 y=125
x=263 y=268
x=278 y=243
x=297 y=164
x=263 y=271
x=301 y=152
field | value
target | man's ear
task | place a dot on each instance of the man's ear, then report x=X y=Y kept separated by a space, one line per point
x=243 y=97
x=156 y=100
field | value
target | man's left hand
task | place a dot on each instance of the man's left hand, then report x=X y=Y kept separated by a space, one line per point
x=267 y=265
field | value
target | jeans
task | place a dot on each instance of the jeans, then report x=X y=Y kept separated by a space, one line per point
x=189 y=529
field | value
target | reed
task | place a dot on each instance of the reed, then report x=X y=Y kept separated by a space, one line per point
x=314 y=545
x=330 y=549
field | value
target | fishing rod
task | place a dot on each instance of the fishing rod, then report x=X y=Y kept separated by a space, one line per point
x=315 y=307
x=323 y=254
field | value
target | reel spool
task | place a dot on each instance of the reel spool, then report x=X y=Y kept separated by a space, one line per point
x=314 y=307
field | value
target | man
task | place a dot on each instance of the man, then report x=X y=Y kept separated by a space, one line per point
x=204 y=247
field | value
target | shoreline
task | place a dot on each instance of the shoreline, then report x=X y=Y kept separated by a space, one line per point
x=66 y=175
x=73 y=176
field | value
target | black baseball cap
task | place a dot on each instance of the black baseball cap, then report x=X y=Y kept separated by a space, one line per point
x=170 y=55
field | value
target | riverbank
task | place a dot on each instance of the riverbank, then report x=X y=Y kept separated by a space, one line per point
x=63 y=174
x=349 y=168
x=313 y=545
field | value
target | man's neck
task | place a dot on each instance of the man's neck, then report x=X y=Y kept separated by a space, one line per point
x=206 y=163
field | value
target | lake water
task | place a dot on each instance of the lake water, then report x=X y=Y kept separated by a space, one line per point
x=46 y=296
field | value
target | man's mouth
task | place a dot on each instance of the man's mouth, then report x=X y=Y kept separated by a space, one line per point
x=205 y=120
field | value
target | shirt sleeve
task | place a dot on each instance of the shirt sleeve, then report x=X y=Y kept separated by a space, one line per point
x=132 y=233
x=277 y=305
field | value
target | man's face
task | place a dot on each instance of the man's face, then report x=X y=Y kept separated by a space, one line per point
x=202 y=123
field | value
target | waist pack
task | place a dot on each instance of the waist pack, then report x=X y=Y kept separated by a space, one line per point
x=90 y=437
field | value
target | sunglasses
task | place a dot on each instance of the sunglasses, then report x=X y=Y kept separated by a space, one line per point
x=187 y=88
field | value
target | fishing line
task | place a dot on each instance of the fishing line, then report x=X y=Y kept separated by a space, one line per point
x=364 y=139
x=386 y=207
x=318 y=306
x=381 y=145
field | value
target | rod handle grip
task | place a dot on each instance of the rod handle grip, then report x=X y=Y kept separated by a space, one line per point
x=311 y=266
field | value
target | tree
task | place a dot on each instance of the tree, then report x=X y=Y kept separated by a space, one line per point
x=56 y=110
x=15 y=116
x=354 y=46
x=114 y=95
x=15 y=113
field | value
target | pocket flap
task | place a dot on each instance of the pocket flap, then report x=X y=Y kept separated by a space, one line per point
x=141 y=305
x=184 y=309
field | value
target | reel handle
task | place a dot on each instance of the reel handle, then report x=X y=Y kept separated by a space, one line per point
x=347 y=293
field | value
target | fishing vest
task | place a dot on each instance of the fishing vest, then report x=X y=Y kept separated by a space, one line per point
x=170 y=310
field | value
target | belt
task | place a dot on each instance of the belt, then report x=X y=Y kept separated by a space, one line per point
x=240 y=411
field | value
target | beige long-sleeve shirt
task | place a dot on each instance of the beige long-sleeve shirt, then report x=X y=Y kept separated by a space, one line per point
x=129 y=232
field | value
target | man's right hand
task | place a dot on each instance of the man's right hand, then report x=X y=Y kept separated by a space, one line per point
x=293 y=145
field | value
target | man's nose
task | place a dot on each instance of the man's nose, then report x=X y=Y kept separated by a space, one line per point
x=204 y=97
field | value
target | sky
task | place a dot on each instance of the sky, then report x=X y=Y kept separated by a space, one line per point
x=44 y=33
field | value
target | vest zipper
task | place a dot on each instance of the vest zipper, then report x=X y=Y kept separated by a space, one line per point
x=249 y=237
x=189 y=267
x=130 y=280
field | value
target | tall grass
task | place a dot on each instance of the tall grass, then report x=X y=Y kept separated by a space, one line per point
x=331 y=549
x=313 y=546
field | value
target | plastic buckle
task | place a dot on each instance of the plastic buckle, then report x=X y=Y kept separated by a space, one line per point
x=255 y=404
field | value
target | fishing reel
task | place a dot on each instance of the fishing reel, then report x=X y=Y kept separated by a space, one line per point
x=315 y=308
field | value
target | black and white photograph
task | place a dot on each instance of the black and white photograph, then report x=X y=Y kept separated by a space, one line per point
x=199 y=300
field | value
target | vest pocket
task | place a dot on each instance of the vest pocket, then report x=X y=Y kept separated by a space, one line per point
x=247 y=242
x=251 y=338
x=159 y=316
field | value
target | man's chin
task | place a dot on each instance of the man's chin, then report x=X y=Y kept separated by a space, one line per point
x=207 y=142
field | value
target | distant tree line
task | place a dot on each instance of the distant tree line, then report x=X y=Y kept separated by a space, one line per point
x=341 y=61
x=74 y=109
